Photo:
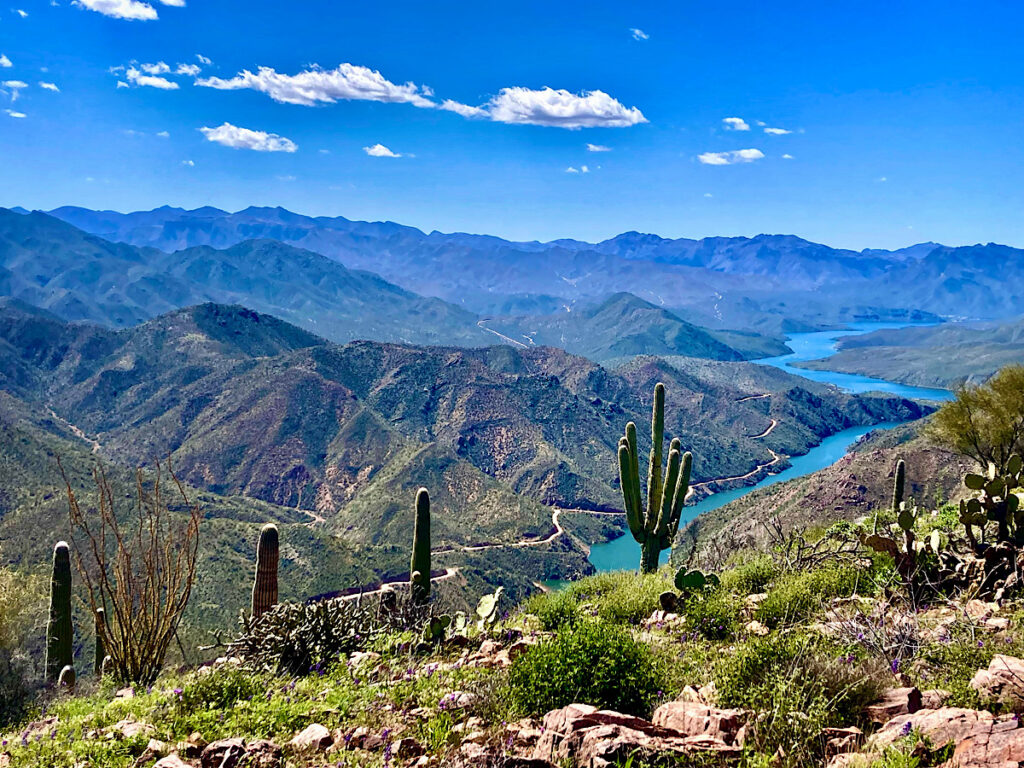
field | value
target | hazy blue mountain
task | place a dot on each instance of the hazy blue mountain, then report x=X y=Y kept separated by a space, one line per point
x=769 y=282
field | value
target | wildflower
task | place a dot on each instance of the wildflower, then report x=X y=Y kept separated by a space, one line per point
x=907 y=728
x=895 y=666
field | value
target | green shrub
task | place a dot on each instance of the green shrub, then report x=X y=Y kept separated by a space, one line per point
x=220 y=688
x=713 y=615
x=590 y=663
x=751 y=577
x=554 y=609
x=621 y=597
x=795 y=596
x=798 y=685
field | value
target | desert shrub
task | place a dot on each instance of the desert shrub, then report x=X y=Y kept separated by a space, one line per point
x=797 y=685
x=713 y=615
x=621 y=597
x=750 y=577
x=300 y=638
x=22 y=606
x=219 y=688
x=794 y=596
x=592 y=663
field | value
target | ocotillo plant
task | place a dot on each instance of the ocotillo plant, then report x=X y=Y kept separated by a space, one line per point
x=656 y=527
x=101 y=651
x=419 y=566
x=264 y=588
x=58 y=626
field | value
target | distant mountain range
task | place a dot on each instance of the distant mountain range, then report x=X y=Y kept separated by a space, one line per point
x=49 y=263
x=771 y=283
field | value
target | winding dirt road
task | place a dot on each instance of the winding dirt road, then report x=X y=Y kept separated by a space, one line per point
x=503 y=337
x=449 y=573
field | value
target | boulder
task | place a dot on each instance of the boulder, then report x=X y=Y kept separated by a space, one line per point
x=894 y=702
x=171 y=761
x=314 y=738
x=934 y=698
x=841 y=741
x=1000 y=747
x=692 y=718
x=941 y=726
x=224 y=753
x=261 y=753
x=592 y=738
x=1003 y=681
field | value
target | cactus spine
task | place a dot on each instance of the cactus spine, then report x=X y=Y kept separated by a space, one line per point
x=419 y=566
x=264 y=588
x=101 y=651
x=58 y=626
x=656 y=528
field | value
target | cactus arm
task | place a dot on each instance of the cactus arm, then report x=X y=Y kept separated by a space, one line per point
x=634 y=456
x=681 y=491
x=630 y=497
x=654 y=480
x=419 y=565
x=665 y=506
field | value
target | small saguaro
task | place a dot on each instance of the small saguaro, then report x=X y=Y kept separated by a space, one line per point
x=59 y=631
x=264 y=588
x=419 y=566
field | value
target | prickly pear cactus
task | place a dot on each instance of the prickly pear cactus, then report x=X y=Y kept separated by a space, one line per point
x=692 y=581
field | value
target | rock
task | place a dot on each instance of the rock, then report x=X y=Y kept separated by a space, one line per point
x=406 y=748
x=941 y=726
x=592 y=738
x=934 y=698
x=225 y=753
x=489 y=647
x=193 y=746
x=1003 y=681
x=154 y=750
x=125 y=693
x=458 y=700
x=689 y=693
x=894 y=702
x=695 y=719
x=130 y=728
x=669 y=601
x=314 y=738
x=839 y=741
x=1000 y=747
x=261 y=753
x=755 y=627
x=978 y=610
x=171 y=761
x=519 y=647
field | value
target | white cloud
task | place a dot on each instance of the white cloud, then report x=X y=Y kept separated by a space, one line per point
x=49 y=86
x=463 y=109
x=23 y=14
x=598 y=148
x=776 y=131
x=379 y=150
x=882 y=178
x=135 y=76
x=730 y=158
x=787 y=156
x=324 y=151
x=12 y=113
x=244 y=138
x=160 y=68
x=639 y=34
x=581 y=169
x=708 y=194
x=735 y=124
x=15 y=87
x=204 y=60
x=163 y=134
x=189 y=163
x=187 y=69
x=314 y=86
x=132 y=10
x=285 y=178
x=561 y=109
x=5 y=62
x=122 y=84
x=174 y=3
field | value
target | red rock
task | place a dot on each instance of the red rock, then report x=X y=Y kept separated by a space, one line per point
x=1003 y=681
x=991 y=749
x=225 y=753
x=695 y=719
x=839 y=741
x=894 y=702
x=941 y=726
x=171 y=761
x=406 y=748
x=314 y=738
x=934 y=698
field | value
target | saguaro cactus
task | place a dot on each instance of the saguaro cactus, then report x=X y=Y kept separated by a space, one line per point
x=419 y=566
x=264 y=588
x=898 y=484
x=656 y=528
x=101 y=651
x=58 y=626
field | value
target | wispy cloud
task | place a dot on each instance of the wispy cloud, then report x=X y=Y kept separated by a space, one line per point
x=5 y=63
x=731 y=158
x=189 y=163
x=639 y=34
x=188 y=69
x=244 y=138
x=204 y=60
x=324 y=86
x=598 y=148
x=581 y=169
x=735 y=124
x=787 y=156
x=163 y=134
x=12 y=113
x=13 y=88
x=463 y=109
x=776 y=131
x=137 y=77
x=23 y=14
x=379 y=150
x=49 y=86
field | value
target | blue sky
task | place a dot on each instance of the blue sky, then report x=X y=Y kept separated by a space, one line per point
x=904 y=119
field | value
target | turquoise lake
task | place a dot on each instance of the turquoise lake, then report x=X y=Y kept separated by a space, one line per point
x=623 y=553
